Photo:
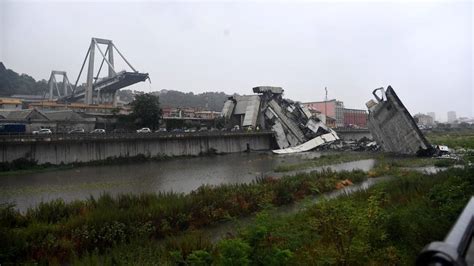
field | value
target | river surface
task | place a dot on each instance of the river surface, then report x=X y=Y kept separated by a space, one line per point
x=178 y=175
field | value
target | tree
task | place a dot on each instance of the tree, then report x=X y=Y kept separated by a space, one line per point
x=146 y=110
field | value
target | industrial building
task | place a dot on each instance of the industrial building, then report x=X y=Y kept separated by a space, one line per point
x=331 y=108
x=424 y=120
x=10 y=104
x=334 y=110
x=58 y=121
x=355 y=118
x=78 y=107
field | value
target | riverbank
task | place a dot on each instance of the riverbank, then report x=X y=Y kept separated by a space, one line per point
x=350 y=156
x=387 y=224
x=104 y=228
x=55 y=231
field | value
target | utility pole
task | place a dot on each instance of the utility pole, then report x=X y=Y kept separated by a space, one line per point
x=325 y=105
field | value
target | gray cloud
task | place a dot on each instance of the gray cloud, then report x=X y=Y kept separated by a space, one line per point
x=424 y=50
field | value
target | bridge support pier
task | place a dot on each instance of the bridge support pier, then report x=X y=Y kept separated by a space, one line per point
x=54 y=84
x=90 y=75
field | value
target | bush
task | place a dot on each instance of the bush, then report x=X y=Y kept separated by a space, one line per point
x=233 y=252
x=199 y=258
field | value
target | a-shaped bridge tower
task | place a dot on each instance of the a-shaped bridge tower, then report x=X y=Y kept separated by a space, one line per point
x=103 y=90
x=53 y=84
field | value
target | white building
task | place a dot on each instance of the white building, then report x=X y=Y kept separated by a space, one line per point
x=451 y=116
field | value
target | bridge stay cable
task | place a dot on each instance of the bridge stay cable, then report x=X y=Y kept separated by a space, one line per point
x=103 y=90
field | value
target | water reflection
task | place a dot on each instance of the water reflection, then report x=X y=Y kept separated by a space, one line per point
x=178 y=175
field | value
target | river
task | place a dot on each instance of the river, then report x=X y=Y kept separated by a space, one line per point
x=180 y=175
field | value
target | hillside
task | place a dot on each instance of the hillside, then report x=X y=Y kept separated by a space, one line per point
x=14 y=83
x=170 y=98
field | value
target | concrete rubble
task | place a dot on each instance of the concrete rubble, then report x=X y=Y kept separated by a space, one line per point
x=392 y=126
x=296 y=130
x=363 y=144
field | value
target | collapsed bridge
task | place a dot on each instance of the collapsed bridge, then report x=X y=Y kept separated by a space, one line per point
x=97 y=90
x=295 y=129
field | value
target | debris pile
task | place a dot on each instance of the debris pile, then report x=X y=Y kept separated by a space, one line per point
x=363 y=144
x=392 y=127
x=296 y=130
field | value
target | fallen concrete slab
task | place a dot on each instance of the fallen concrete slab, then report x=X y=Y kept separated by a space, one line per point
x=311 y=144
x=392 y=126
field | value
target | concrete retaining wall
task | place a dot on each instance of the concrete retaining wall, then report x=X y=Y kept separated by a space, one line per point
x=87 y=150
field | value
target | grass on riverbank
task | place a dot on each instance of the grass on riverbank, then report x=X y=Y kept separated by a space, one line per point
x=454 y=139
x=386 y=225
x=394 y=161
x=55 y=231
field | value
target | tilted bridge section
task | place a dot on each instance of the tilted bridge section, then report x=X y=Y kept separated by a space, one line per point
x=97 y=90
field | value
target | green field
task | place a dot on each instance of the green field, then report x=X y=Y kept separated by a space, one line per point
x=454 y=139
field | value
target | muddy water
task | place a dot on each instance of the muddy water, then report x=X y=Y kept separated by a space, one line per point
x=178 y=175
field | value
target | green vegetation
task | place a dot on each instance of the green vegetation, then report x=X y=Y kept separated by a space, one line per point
x=386 y=225
x=325 y=160
x=453 y=139
x=146 y=110
x=13 y=83
x=213 y=101
x=57 y=230
x=388 y=160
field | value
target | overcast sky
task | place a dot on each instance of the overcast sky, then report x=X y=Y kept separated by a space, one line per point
x=423 y=49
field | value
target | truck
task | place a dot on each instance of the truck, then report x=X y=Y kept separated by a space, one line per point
x=12 y=128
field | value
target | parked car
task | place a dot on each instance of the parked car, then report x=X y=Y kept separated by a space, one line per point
x=144 y=130
x=163 y=129
x=42 y=131
x=235 y=128
x=202 y=129
x=98 y=131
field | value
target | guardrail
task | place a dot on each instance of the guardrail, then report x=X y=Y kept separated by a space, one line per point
x=123 y=136
x=350 y=129
x=456 y=246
